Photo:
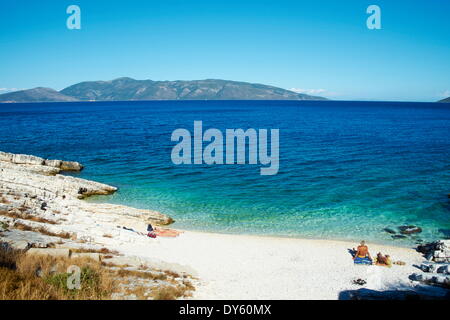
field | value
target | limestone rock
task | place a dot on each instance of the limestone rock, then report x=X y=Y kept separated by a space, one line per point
x=53 y=163
x=36 y=187
x=43 y=185
x=24 y=159
x=438 y=251
x=21 y=158
x=19 y=245
x=90 y=255
x=50 y=252
x=389 y=230
x=432 y=278
x=71 y=166
x=409 y=229
x=435 y=267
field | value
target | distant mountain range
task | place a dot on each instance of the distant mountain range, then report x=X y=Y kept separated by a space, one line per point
x=35 y=95
x=124 y=89
x=446 y=100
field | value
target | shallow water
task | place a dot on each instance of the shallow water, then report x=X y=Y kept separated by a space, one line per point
x=347 y=169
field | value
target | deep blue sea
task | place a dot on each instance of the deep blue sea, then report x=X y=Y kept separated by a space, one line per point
x=347 y=169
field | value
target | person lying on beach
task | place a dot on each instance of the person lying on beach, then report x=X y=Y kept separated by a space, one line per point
x=362 y=255
x=384 y=261
x=162 y=232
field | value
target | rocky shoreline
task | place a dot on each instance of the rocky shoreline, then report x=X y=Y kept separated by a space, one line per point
x=34 y=181
x=42 y=212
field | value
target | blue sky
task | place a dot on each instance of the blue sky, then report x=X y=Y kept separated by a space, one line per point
x=320 y=47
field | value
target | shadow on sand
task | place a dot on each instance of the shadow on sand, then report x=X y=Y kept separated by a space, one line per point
x=419 y=293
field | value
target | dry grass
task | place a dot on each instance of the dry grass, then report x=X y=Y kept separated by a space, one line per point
x=102 y=251
x=141 y=275
x=22 y=227
x=107 y=236
x=8 y=258
x=189 y=286
x=141 y=292
x=25 y=216
x=170 y=292
x=36 y=277
x=42 y=230
x=172 y=274
x=165 y=291
x=4 y=200
x=25 y=277
x=4 y=225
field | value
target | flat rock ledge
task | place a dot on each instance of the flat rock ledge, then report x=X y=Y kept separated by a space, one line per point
x=43 y=212
x=38 y=163
x=36 y=184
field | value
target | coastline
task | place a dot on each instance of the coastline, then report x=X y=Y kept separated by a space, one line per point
x=222 y=266
x=245 y=266
x=354 y=240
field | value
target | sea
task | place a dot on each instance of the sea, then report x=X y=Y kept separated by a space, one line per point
x=347 y=169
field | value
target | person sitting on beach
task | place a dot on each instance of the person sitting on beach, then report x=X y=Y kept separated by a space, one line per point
x=384 y=261
x=362 y=254
x=151 y=231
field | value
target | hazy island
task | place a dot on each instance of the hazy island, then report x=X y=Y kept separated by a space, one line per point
x=125 y=89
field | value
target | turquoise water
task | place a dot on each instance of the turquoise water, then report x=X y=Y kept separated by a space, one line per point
x=347 y=169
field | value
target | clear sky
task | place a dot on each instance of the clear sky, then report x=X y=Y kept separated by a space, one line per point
x=320 y=47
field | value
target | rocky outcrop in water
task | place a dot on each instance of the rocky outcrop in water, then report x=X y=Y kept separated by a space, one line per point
x=31 y=180
x=409 y=229
x=40 y=177
x=37 y=164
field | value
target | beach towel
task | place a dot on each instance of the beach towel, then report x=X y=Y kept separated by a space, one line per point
x=359 y=260
x=162 y=232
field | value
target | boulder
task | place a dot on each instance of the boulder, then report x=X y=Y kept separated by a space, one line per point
x=71 y=166
x=41 y=182
x=435 y=267
x=53 y=163
x=19 y=245
x=443 y=269
x=426 y=267
x=21 y=158
x=39 y=244
x=90 y=255
x=389 y=230
x=437 y=251
x=409 y=229
x=50 y=252
x=442 y=280
x=431 y=278
x=39 y=164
